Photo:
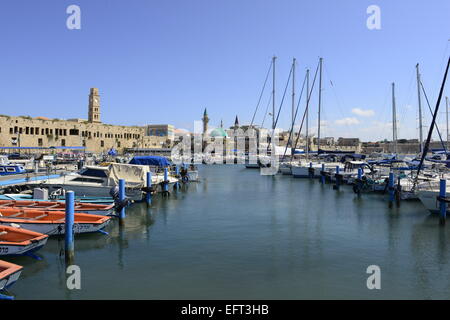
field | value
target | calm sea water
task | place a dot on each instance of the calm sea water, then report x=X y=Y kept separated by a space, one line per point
x=239 y=235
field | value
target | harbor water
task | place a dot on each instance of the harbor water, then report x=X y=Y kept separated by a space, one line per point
x=239 y=235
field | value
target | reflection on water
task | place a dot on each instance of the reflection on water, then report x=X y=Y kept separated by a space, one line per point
x=237 y=234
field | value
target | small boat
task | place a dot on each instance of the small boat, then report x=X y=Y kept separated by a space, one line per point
x=8 y=168
x=99 y=209
x=51 y=222
x=9 y=273
x=18 y=241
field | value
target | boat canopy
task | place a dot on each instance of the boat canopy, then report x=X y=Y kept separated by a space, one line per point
x=151 y=161
x=135 y=176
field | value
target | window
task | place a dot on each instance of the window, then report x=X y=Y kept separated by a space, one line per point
x=74 y=132
x=40 y=142
x=31 y=130
x=9 y=169
x=27 y=130
x=11 y=130
x=63 y=142
x=2 y=169
x=102 y=143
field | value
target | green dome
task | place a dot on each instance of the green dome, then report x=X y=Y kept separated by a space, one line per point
x=218 y=132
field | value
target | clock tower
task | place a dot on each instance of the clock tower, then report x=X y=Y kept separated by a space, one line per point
x=94 y=106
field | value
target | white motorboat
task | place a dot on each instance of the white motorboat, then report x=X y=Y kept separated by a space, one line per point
x=98 y=180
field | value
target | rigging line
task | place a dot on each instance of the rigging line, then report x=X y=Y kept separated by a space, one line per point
x=338 y=100
x=407 y=96
x=284 y=95
x=430 y=131
x=261 y=94
x=295 y=117
x=431 y=111
x=267 y=108
x=281 y=105
x=306 y=109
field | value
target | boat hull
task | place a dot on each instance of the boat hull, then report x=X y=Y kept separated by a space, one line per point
x=9 y=274
x=55 y=229
x=19 y=249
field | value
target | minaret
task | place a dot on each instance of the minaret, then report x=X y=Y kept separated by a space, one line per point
x=94 y=106
x=205 y=120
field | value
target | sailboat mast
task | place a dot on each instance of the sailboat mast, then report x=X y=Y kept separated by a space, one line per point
x=293 y=95
x=420 y=110
x=446 y=105
x=320 y=103
x=273 y=92
x=307 y=113
x=394 y=120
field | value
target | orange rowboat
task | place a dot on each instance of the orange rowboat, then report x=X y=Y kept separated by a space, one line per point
x=9 y=273
x=17 y=241
x=101 y=209
x=51 y=222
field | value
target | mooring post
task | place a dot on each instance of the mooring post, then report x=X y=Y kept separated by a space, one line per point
x=69 y=239
x=148 y=195
x=166 y=180
x=177 y=172
x=442 y=203
x=337 y=177
x=122 y=196
x=391 y=188
x=322 y=174
x=311 y=175
x=359 y=181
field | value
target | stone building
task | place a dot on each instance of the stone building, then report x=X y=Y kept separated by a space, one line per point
x=97 y=137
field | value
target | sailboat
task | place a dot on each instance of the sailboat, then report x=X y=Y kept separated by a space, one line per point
x=306 y=168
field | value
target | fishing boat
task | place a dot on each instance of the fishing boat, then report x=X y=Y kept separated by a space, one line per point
x=18 y=241
x=99 y=209
x=51 y=222
x=9 y=274
x=8 y=168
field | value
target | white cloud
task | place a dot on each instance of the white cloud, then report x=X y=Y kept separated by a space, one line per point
x=363 y=113
x=346 y=121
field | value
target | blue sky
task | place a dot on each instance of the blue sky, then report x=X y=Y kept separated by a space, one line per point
x=164 y=61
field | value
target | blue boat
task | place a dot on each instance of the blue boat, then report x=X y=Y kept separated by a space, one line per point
x=8 y=168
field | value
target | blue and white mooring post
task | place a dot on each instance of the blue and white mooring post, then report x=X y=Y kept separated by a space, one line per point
x=122 y=196
x=442 y=202
x=69 y=232
x=391 y=188
x=148 y=195
x=166 y=180
x=322 y=174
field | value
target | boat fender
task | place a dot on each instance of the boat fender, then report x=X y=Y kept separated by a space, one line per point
x=15 y=225
x=114 y=192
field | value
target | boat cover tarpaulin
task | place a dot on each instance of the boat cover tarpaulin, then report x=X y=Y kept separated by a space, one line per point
x=151 y=161
x=134 y=175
